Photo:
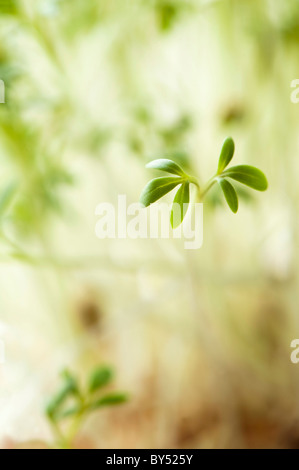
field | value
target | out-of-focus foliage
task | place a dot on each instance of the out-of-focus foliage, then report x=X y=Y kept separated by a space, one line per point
x=74 y=403
x=94 y=91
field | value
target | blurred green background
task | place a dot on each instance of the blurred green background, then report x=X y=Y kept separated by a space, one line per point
x=201 y=340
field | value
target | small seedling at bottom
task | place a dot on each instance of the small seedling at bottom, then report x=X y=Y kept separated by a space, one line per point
x=73 y=403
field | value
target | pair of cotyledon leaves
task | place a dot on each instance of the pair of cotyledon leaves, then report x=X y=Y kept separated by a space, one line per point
x=159 y=187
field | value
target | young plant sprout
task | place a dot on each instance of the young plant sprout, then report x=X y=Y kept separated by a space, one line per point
x=159 y=187
x=73 y=403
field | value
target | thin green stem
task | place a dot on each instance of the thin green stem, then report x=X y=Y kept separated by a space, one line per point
x=61 y=440
x=207 y=188
x=194 y=181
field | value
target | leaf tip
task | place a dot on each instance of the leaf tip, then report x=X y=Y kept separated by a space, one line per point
x=227 y=153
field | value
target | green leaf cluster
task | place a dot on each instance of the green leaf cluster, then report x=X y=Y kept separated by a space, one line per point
x=244 y=174
x=159 y=187
x=73 y=400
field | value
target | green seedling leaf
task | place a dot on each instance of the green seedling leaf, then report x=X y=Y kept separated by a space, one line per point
x=180 y=205
x=70 y=389
x=226 y=155
x=56 y=403
x=166 y=165
x=71 y=381
x=69 y=413
x=157 y=188
x=109 y=400
x=248 y=175
x=99 y=378
x=229 y=194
